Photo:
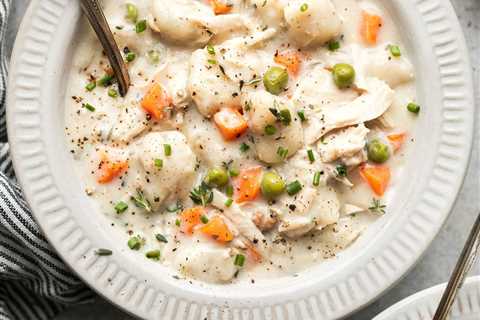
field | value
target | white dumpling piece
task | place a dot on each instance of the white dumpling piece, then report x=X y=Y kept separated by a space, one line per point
x=130 y=123
x=270 y=11
x=207 y=142
x=209 y=87
x=289 y=137
x=344 y=144
x=379 y=63
x=177 y=171
x=206 y=261
x=312 y=22
x=189 y=22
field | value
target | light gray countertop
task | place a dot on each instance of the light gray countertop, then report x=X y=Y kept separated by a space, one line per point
x=438 y=261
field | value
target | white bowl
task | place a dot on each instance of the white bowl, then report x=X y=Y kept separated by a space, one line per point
x=423 y=304
x=389 y=248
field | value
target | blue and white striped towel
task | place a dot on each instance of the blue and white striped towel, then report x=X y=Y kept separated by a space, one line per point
x=34 y=281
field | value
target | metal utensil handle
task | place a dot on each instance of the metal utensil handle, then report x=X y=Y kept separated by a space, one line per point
x=99 y=23
x=464 y=264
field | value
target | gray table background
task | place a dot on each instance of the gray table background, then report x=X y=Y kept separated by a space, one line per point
x=439 y=260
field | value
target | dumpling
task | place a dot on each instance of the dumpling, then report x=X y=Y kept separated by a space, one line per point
x=176 y=172
x=190 y=22
x=312 y=22
x=260 y=107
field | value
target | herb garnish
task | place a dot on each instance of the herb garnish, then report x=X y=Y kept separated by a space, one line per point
x=141 y=202
x=202 y=194
x=377 y=207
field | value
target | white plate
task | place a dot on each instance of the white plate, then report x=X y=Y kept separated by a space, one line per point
x=422 y=305
x=388 y=249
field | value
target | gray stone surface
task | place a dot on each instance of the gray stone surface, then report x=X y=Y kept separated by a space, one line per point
x=437 y=263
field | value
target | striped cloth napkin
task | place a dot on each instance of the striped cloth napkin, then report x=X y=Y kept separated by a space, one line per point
x=34 y=281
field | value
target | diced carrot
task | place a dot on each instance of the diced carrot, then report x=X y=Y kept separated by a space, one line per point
x=109 y=170
x=190 y=218
x=253 y=253
x=290 y=60
x=219 y=7
x=155 y=101
x=218 y=230
x=247 y=184
x=370 y=27
x=231 y=123
x=377 y=177
x=397 y=140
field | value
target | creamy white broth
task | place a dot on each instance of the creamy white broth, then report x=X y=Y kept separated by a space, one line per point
x=119 y=129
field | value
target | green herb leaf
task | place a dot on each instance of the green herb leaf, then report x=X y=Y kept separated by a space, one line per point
x=160 y=237
x=316 y=178
x=132 y=12
x=175 y=207
x=311 y=157
x=135 y=243
x=121 y=207
x=154 y=254
x=377 y=207
x=239 y=260
x=244 y=147
x=202 y=195
x=89 y=107
x=106 y=80
x=294 y=188
x=210 y=49
x=141 y=202
x=333 y=45
x=228 y=202
x=158 y=163
x=167 y=149
x=92 y=85
x=282 y=152
x=341 y=170
x=103 y=252
x=301 y=115
x=112 y=93
x=270 y=130
x=141 y=26
x=395 y=50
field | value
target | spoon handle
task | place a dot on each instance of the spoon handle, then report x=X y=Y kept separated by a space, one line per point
x=464 y=264
x=99 y=23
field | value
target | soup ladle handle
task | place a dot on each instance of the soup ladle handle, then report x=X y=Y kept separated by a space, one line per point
x=96 y=17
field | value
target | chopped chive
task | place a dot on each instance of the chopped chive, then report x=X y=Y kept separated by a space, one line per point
x=229 y=190
x=282 y=152
x=294 y=187
x=135 y=243
x=341 y=170
x=270 y=130
x=244 y=147
x=301 y=115
x=333 y=45
x=112 y=93
x=121 y=207
x=106 y=80
x=89 y=107
x=129 y=57
x=204 y=219
x=154 y=254
x=103 y=252
x=304 y=7
x=158 y=163
x=395 y=50
x=167 y=149
x=316 y=178
x=177 y=222
x=160 y=237
x=92 y=85
x=141 y=26
x=211 y=61
x=132 y=12
x=285 y=117
x=239 y=260
x=311 y=157
x=210 y=49
x=413 y=108
x=233 y=172
x=228 y=202
x=153 y=56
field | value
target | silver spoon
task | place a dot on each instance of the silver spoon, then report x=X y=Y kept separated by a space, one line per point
x=464 y=264
x=99 y=23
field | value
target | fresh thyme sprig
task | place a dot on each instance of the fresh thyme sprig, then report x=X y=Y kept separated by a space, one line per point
x=141 y=202
x=202 y=194
x=377 y=207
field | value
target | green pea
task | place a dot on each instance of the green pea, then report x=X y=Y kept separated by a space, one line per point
x=272 y=185
x=275 y=80
x=343 y=75
x=378 y=151
x=216 y=177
